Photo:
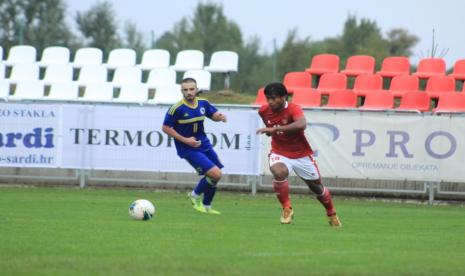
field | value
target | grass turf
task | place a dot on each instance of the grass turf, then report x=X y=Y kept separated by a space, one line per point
x=53 y=231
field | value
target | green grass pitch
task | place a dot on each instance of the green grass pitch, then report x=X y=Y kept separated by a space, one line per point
x=59 y=231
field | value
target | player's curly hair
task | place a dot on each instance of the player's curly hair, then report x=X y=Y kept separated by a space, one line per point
x=275 y=89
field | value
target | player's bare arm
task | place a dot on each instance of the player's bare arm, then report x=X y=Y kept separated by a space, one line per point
x=295 y=126
x=191 y=141
x=219 y=117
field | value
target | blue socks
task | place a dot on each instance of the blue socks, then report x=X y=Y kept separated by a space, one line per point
x=207 y=187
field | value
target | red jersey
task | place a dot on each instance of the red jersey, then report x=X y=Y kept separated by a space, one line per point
x=289 y=144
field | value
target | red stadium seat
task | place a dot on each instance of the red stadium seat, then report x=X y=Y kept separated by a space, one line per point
x=367 y=83
x=307 y=97
x=459 y=70
x=450 y=103
x=297 y=80
x=379 y=100
x=323 y=63
x=394 y=66
x=260 y=99
x=438 y=85
x=404 y=83
x=429 y=67
x=331 y=82
x=415 y=100
x=342 y=99
x=361 y=64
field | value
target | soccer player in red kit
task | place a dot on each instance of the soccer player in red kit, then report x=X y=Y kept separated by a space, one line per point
x=285 y=123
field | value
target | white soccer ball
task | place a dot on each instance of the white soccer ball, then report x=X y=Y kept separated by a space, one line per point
x=142 y=209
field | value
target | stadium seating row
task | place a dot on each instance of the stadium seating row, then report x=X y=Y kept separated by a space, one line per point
x=92 y=92
x=417 y=101
x=390 y=67
x=368 y=83
x=220 y=62
x=99 y=74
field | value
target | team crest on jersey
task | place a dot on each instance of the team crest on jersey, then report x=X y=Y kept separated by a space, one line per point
x=202 y=110
x=186 y=114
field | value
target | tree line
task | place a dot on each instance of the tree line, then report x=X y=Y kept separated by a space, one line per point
x=42 y=23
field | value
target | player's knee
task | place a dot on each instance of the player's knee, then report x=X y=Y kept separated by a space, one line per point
x=215 y=174
x=280 y=173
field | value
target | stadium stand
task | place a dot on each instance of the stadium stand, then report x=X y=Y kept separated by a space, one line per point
x=133 y=93
x=404 y=83
x=121 y=57
x=428 y=67
x=359 y=64
x=24 y=72
x=260 y=99
x=394 y=66
x=87 y=56
x=342 y=99
x=126 y=75
x=378 y=100
x=98 y=92
x=58 y=73
x=92 y=74
x=21 y=54
x=297 y=80
x=188 y=60
x=451 y=103
x=2 y=70
x=28 y=90
x=161 y=76
x=307 y=97
x=438 y=85
x=63 y=91
x=331 y=82
x=417 y=101
x=167 y=94
x=202 y=77
x=54 y=55
x=366 y=83
x=154 y=58
x=323 y=63
x=459 y=70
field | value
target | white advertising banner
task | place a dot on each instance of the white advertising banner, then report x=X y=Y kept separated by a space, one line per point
x=130 y=138
x=388 y=146
x=29 y=135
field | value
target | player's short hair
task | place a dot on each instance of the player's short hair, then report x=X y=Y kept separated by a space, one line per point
x=189 y=80
x=275 y=89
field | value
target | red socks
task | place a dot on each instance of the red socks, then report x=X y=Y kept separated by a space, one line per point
x=327 y=202
x=281 y=189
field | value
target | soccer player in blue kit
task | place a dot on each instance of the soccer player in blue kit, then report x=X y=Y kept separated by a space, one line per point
x=184 y=122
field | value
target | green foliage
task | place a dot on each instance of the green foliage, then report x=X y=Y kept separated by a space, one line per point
x=40 y=23
x=134 y=39
x=99 y=27
x=47 y=231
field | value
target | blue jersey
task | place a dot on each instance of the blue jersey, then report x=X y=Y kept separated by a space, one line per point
x=188 y=121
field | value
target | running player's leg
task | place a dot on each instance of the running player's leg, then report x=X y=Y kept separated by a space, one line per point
x=307 y=170
x=213 y=176
x=280 y=170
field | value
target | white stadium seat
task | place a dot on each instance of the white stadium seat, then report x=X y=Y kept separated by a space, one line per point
x=167 y=94
x=133 y=93
x=87 y=56
x=24 y=72
x=188 y=60
x=54 y=55
x=4 y=89
x=223 y=62
x=161 y=76
x=28 y=90
x=127 y=75
x=155 y=58
x=63 y=91
x=92 y=74
x=58 y=73
x=21 y=54
x=122 y=57
x=98 y=92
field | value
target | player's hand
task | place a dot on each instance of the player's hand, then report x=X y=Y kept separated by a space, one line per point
x=221 y=117
x=266 y=130
x=191 y=141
